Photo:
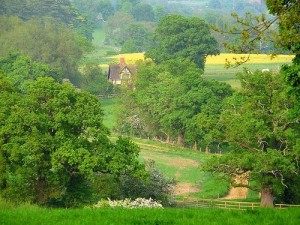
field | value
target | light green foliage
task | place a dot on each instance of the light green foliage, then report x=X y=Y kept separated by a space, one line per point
x=183 y=38
x=44 y=41
x=52 y=142
x=287 y=13
x=259 y=124
x=21 y=69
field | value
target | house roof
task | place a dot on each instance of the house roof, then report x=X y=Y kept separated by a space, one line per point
x=115 y=70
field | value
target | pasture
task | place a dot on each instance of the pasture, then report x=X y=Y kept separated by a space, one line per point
x=32 y=215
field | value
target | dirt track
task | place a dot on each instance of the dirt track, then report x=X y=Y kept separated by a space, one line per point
x=238 y=192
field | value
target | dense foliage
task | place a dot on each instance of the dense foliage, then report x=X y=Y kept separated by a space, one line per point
x=44 y=41
x=168 y=101
x=52 y=142
x=61 y=11
x=264 y=134
x=261 y=122
x=184 y=38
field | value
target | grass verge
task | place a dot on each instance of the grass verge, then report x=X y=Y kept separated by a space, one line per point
x=107 y=216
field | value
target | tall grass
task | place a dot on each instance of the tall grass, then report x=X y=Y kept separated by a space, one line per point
x=107 y=216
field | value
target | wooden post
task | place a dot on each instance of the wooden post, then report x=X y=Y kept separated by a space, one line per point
x=252 y=206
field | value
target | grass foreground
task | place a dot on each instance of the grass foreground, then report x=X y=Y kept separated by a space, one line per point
x=31 y=215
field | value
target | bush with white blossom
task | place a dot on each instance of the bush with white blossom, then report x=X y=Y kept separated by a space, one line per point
x=128 y=203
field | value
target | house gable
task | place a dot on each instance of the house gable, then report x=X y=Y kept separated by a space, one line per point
x=120 y=72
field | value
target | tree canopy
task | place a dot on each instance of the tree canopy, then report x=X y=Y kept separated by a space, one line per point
x=44 y=41
x=185 y=38
x=166 y=100
x=53 y=142
x=258 y=124
x=62 y=11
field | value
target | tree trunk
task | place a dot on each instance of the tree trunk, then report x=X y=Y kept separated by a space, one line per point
x=195 y=147
x=169 y=140
x=180 y=139
x=267 y=198
x=207 y=149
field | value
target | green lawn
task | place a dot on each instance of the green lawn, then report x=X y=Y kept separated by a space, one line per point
x=31 y=215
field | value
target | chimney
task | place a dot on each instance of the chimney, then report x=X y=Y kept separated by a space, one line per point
x=122 y=63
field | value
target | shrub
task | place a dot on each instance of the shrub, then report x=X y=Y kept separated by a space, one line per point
x=128 y=203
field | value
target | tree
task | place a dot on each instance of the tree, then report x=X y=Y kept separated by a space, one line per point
x=122 y=30
x=53 y=144
x=143 y=12
x=62 y=11
x=21 y=69
x=257 y=123
x=168 y=97
x=136 y=38
x=95 y=80
x=113 y=26
x=44 y=41
x=185 y=38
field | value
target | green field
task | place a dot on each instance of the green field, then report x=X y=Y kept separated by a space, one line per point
x=31 y=215
x=220 y=73
x=101 y=50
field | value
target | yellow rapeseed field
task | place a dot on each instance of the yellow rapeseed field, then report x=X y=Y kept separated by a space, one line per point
x=254 y=58
x=130 y=58
x=219 y=59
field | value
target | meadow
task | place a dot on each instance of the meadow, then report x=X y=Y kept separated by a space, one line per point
x=31 y=215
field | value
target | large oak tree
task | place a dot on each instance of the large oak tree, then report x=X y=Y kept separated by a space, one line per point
x=258 y=124
x=53 y=143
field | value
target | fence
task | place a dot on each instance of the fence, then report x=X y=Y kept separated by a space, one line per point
x=107 y=96
x=215 y=203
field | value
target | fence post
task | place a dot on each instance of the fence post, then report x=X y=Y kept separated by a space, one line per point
x=252 y=206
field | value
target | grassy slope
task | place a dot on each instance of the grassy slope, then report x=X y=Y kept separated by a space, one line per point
x=179 y=163
x=184 y=165
x=36 y=216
